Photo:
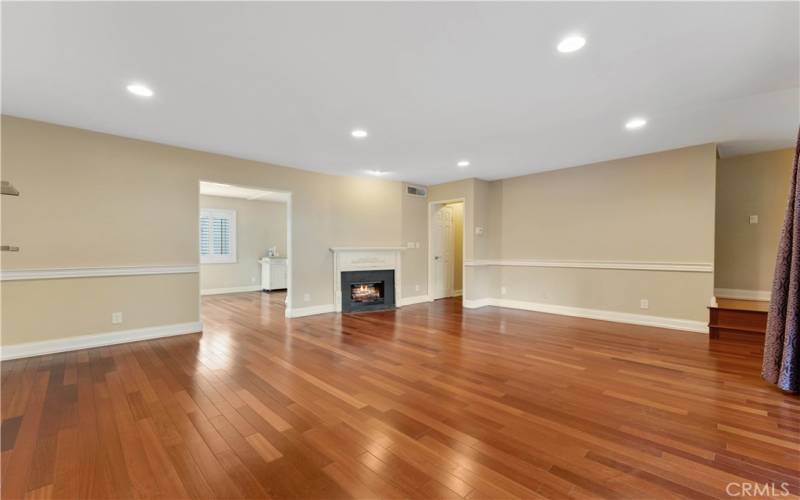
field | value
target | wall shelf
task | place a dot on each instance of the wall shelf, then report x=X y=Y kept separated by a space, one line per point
x=7 y=189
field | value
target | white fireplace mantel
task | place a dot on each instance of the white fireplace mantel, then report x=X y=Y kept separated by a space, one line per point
x=364 y=259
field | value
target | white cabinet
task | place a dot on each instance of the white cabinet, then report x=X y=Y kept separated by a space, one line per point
x=273 y=273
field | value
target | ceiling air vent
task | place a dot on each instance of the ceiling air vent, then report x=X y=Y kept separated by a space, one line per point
x=416 y=191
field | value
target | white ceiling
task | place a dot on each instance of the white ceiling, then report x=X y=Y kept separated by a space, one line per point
x=244 y=193
x=433 y=83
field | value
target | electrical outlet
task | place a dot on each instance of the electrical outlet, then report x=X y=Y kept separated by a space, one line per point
x=416 y=288
x=503 y=290
x=306 y=297
x=116 y=318
x=410 y=244
x=754 y=219
x=644 y=304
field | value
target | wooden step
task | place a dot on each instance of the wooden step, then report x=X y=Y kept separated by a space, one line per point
x=738 y=317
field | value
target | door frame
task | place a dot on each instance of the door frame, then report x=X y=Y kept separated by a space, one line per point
x=429 y=262
x=289 y=234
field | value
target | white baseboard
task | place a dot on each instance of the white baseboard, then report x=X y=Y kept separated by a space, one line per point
x=580 y=312
x=299 y=312
x=476 y=303
x=236 y=289
x=418 y=299
x=98 y=340
x=734 y=293
x=457 y=293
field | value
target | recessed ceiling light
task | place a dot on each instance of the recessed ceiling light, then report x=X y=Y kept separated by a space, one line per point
x=635 y=123
x=463 y=163
x=376 y=173
x=359 y=133
x=140 y=90
x=571 y=43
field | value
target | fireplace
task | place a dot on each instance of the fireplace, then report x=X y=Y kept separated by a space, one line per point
x=366 y=293
x=367 y=290
x=366 y=278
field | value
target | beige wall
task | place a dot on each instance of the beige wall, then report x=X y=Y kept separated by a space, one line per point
x=415 y=260
x=95 y=200
x=651 y=208
x=259 y=225
x=756 y=184
x=60 y=308
x=657 y=207
x=670 y=294
x=124 y=195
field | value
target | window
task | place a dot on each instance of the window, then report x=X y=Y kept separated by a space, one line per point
x=217 y=236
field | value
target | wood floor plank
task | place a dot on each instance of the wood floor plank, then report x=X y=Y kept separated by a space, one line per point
x=428 y=401
x=20 y=461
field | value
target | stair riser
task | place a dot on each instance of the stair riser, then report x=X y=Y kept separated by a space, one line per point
x=737 y=321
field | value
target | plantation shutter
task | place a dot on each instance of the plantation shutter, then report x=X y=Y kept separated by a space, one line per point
x=221 y=235
x=217 y=235
x=205 y=236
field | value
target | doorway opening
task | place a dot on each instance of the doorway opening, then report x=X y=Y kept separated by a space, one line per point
x=244 y=241
x=446 y=248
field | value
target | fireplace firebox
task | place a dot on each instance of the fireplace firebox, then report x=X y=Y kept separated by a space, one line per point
x=367 y=290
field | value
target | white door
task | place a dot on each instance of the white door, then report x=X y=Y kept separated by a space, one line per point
x=442 y=246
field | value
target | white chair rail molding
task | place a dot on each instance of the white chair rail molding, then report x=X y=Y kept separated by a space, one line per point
x=694 y=267
x=93 y=272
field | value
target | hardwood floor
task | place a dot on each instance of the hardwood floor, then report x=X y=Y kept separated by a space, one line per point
x=424 y=402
